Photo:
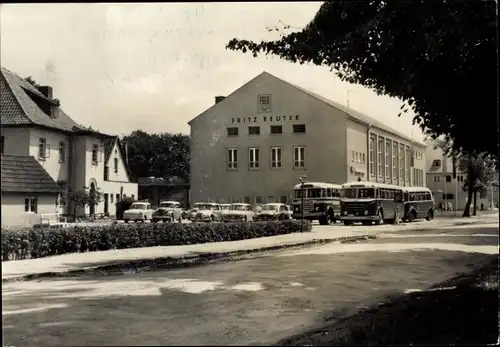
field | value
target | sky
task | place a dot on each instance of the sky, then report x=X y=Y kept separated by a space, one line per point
x=154 y=67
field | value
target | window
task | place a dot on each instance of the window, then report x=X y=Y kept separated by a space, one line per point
x=363 y=158
x=43 y=149
x=115 y=163
x=246 y=199
x=387 y=162
x=106 y=173
x=253 y=158
x=117 y=197
x=380 y=164
x=394 y=161
x=436 y=163
x=62 y=152
x=371 y=156
x=276 y=129
x=258 y=199
x=357 y=157
x=133 y=197
x=270 y=199
x=298 y=157
x=460 y=178
x=353 y=156
x=95 y=154
x=2 y=144
x=448 y=196
x=276 y=157
x=437 y=179
x=401 y=162
x=283 y=199
x=232 y=158
x=299 y=128
x=448 y=178
x=111 y=198
x=253 y=130
x=233 y=131
x=30 y=204
x=408 y=161
x=264 y=102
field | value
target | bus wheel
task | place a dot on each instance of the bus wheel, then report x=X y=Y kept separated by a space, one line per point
x=430 y=215
x=380 y=218
x=412 y=216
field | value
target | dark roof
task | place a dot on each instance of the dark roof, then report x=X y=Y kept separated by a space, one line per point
x=18 y=108
x=24 y=174
x=360 y=117
x=108 y=147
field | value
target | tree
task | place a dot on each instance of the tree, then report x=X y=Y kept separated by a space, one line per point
x=482 y=175
x=79 y=198
x=439 y=57
x=159 y=155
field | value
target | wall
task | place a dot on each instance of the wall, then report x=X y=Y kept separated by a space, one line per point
x=324 y=141
x=357 y=144
x=16 y=140
x=56 y=169
x=114 y=188
x=121 y=175
x=13 y=209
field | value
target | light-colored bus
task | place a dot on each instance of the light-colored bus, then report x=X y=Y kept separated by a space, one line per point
x=419 y=203
x=368 y=202
x=321 y=202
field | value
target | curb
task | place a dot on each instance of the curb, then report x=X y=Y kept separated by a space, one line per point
x=135 y=266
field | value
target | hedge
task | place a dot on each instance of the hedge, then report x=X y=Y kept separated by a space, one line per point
x=44 y=242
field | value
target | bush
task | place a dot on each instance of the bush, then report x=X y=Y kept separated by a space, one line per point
x=38 y=243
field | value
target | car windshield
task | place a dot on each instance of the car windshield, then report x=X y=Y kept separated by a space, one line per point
x=270 y=208
x=138 y=207
x=205 y=207
x=349 y=193
x=168 y=204
x=238 y=208
x=225 y=207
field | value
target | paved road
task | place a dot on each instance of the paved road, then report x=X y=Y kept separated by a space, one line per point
x=253 y=301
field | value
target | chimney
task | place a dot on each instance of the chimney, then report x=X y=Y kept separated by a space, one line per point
x=219 y=99
x=47 y=91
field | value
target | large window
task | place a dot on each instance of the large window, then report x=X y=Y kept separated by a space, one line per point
x=408 y=163
x=380 y=164
x=371 y=155
x=387 y=159
x=401 y=163
x=232 y=158
x=276 y=157
x=43 y=149
x=95 y=154
x=253 y=158
x=394 y=161
x=298 y=157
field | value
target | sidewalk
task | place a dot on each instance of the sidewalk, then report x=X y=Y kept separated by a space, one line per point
x=119 y=260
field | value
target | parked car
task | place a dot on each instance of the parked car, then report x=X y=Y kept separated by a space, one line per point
x=224 y=208
x=239 y=212
x=274 y=211
x=191 y=213
x=168 y=211
x=138 y=211
x=207 y=212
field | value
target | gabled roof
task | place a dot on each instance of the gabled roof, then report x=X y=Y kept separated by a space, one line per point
x=358 y=116
x=109 y=144
x=18 y=108
x=24 y=174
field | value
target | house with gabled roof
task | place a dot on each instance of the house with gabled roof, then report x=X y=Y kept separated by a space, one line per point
x=35 y=130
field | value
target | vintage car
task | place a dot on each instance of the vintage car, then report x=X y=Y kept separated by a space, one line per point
x=274 y=211
x=192 y=212
x=239 y=212
x=207 y=212
x=224 y=208
x=168 y=211
x=138 y=211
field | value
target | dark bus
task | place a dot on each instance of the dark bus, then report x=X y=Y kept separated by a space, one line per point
x=369 y=202
x=419 y=203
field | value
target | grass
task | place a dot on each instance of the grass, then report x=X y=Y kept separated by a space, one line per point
x=465 y=311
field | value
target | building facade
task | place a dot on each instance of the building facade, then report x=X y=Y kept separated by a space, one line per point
x=253 y=145
x=34 y=126
x=448 y=188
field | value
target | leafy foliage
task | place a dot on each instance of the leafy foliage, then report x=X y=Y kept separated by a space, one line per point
x=79 y=198
x=38 y=243
x=437 y=56
x=159 y=155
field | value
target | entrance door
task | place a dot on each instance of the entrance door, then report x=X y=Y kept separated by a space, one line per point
x=106 y=204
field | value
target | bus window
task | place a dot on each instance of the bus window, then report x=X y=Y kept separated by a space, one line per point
x=298 y=193
x=428 y=196
x=323 y=193
x=412 y=197
x=366 y=193
x=391 y=194
x=336 y=193
x=405 y=197
x=329 y=193
x=314 y=193
x=349 y=193
x=398 y=196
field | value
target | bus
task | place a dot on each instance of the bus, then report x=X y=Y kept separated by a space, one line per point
x=369 y=202
x=321 y=202
x=419 y=203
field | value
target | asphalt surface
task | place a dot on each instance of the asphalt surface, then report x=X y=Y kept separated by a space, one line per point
x=253 y=301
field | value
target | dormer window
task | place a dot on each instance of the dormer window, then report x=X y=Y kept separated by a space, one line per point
x=436 y=163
